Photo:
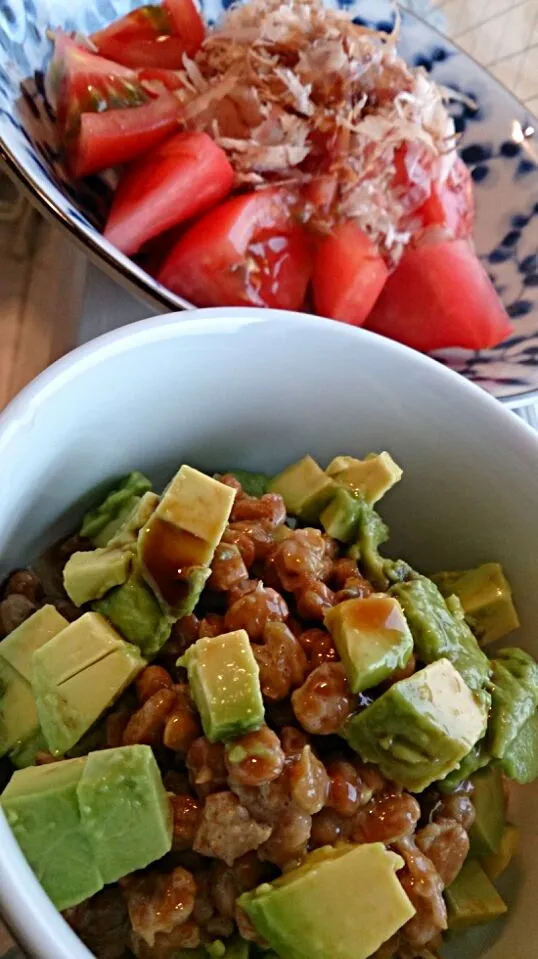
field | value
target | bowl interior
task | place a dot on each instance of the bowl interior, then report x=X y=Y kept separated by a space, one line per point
x=257 y=390
x=498 y=139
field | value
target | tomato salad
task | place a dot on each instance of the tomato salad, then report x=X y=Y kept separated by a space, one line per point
x=285 y=158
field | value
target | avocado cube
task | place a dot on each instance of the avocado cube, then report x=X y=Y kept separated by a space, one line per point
x=225 y=684
x=345 y=902
x=470 y=764
x=341 y=516
x=372 y=477
x=101 y=523
x=176 y=546
x=521 y=760
x=134 y=610
x=18 y=647
x=41 y=806
x=305 y=488
x=77 y=675
x=372 y=638
x=18 y=714
x=371 y=533
x=472 y=899
x=486 y=598
x=125 y=810
x=490 y=808
x=440 y=631
x=514 y=698
x=496 y=864
x=420 y=729
x=89 y=575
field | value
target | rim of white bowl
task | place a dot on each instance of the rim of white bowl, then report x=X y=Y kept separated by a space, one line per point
x=27 y=909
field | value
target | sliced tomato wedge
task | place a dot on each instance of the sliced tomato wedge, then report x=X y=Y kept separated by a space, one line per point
x=117 y=136
x=188 y=23
x=153 y=36
x=183 y=177
x=83 y=82
x=451 y=204
x=155 y=80
x=438 y=297
x=248 y=251
x=349 y=275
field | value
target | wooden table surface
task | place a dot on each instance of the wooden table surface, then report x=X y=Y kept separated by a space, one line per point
x=51 y=300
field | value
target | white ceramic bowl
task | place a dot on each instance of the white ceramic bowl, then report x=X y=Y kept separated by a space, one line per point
x=258 y=389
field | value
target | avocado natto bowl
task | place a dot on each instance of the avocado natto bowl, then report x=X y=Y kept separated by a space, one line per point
x=257 y=389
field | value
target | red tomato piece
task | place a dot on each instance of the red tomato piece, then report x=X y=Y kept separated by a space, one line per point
x=117 y=136
x=184 y=177
x=84 y=82
x=440 y=296
x=451 y=204
x=349 y=275
x=187 y=22
x=155 y=80
x=248 y=251
x=153 y=36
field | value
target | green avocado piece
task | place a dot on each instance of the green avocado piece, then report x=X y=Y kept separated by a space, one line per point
x=125 y=810
x=372 y=638
x=25 y=754
x=372 y=533
x=225 y=684
x=238 y=949
x=471 y=763
x=340 y=518
x=421 y=728
x=486 y=598
x=127 y=534
x=18 y=647
x=305 y=488
x=101 y=523
x=372 y=477
x=521 y=760
x=351 y=892
x=490 y=808
x=177 y=545
x=41 y=806
x=441 y=631
x=496 y=864
x=254 y=484
x=472 y=899
x=19 y=721
x=136 y=613
x=514 y=698
x=77 y=675
x=89 y=575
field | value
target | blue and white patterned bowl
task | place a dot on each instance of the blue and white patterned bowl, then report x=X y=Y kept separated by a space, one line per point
x=498 y=143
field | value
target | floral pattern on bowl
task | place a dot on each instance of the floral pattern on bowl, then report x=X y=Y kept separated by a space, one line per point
x=498 y=142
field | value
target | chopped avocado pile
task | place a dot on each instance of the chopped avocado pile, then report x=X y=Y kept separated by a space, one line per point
x=101 y=523
x=85 y=822
x=306 y=659
x=353 y=890
x=224 y=681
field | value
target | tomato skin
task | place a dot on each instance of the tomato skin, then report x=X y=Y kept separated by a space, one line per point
x=187 y=22
x=153 y=36
x=117 y=136
x=349 y=275
x=183 y=177
x=248 y=251
x=156 y=79
x=451 y=204
x=439 y=297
